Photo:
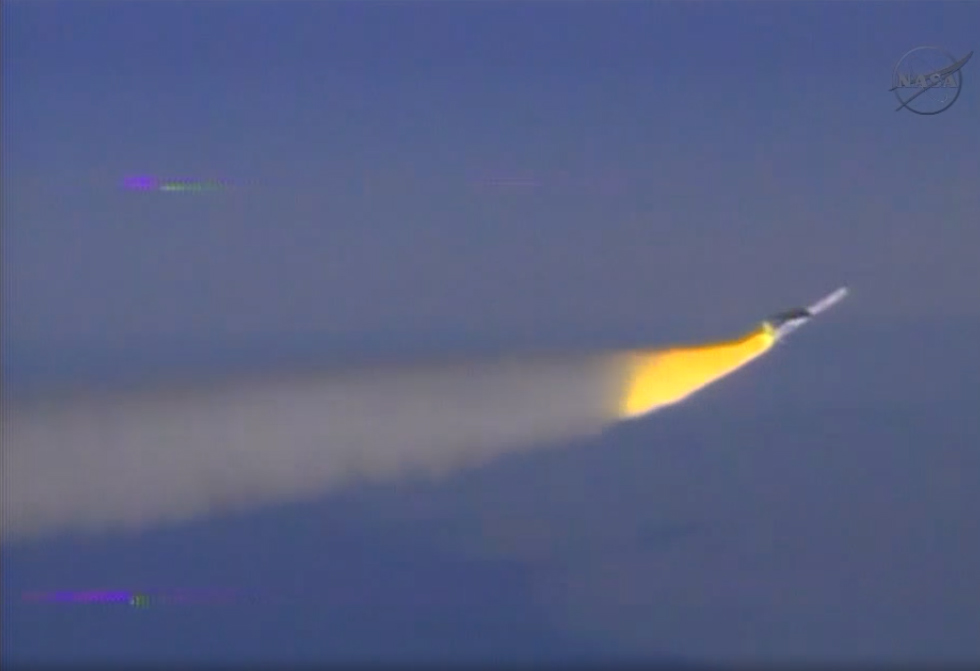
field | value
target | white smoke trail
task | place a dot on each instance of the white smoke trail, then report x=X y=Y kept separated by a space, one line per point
x=129 y=459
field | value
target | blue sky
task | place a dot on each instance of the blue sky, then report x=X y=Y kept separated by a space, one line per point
x=463 y=176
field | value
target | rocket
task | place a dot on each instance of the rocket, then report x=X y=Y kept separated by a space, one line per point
x=131 y=458
x=655 y=378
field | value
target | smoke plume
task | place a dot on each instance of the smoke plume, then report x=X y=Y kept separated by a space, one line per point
x=129 y=458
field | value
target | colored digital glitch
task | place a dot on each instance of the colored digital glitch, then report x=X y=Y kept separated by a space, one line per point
x=152 y=183
x=141 y=598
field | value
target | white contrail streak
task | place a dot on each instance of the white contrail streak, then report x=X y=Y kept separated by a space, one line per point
x=91 y=461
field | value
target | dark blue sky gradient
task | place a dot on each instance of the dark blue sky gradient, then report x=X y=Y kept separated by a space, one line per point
x=426 y=177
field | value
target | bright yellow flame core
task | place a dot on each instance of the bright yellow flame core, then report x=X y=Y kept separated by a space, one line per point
x=662 y=377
